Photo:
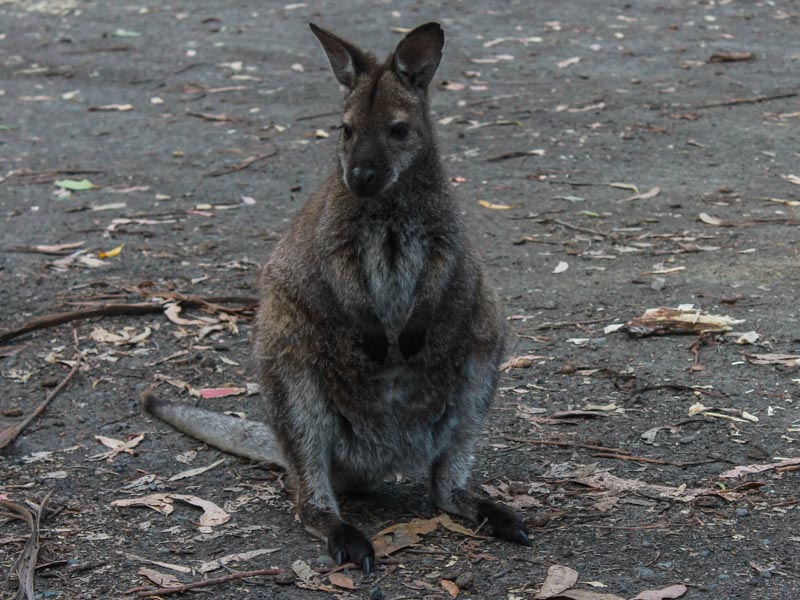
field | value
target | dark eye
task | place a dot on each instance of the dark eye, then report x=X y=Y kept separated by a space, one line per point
x=347 y=131
x=399 y=131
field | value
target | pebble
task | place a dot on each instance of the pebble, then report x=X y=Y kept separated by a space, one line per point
x=658 y=284
x=376 y=594
x=465 y=580
x=742 y=512
x=645 y=573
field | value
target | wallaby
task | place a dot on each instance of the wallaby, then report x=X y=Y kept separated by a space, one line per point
x=378 y=335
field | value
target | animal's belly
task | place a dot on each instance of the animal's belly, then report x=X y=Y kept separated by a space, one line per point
x=396 y=431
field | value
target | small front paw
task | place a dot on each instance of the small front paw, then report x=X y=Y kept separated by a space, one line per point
x=503 y=522
x=346 y=542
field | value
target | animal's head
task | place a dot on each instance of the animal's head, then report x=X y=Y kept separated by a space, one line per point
x=386 y=128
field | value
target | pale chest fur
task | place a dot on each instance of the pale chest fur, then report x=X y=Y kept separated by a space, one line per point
x=392 y=260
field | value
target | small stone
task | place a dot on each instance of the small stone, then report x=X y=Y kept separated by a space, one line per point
x=723 y=577
x=376 y=594
x=465 y=580
x=645 y=573
x=286 y=578
x=742 y=512
x=658 y=284
x=322 y=561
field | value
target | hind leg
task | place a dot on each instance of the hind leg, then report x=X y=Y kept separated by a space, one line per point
x=450 y=473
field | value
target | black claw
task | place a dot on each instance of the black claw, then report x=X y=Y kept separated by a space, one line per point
x=346 y=542
x=504 y=522
x=522 y=538
x=367 y=565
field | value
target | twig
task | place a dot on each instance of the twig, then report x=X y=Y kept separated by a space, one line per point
x=242 y=165
x=25 y=564
x=753 y=100
x=564 y=324
x=9 y=434
x=562 y=444
x=150 y=592
x=581 y=229
x=655 y=461
x=109 y=310
x=317 y=115
x=142 y=308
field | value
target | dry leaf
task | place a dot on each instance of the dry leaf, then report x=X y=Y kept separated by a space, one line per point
x=195 y=472
x=673 y=591
x=172 y=310
x=402 y=535
x=520 y=362
x=787 y=360
x=569 y=62
x=748 y=469
x=664 y=321
x=165 y=580
x=212 y=514
x=111 y=253
x=588 y=595
x=708 y=219
x=222 y=392
x=111 y=107
x=158 y=502
x=561 y=267
x=451 y=587
x=341 y=580
x=487 y=204
x=559 y=579
x=116 y=446
x=220 y=562
x=652 y=193
x=718 y=57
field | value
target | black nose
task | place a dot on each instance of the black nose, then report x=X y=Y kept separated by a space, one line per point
x=363 y=175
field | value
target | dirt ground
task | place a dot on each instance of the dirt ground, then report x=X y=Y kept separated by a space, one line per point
x=610 y=157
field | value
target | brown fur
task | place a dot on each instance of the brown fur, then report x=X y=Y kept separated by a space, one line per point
x=378 y=335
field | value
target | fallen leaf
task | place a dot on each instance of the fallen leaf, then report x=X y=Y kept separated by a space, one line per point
x=569 y=62
x=341 y=580
x=161 y=503
x=111 y=107
x=451 y=587
x=117 y=446
x=719 y=57
x=708 y=219
x=787 y=360
x=306 y=574
x=559 y=579
x=57 y=248
x=652 y=193
x=749 y=469
x=74 y=185
x=487 y=204
x=165 y=580
x=402 y=535
x=751 y=337
x=222 y=561
x=111 y=253
x=673 y=591
x=784 y=201
x=172 y=311
x=194 y=472
x=222 y=392
x=212 y=514
x=520 y=362
x=664 y=321
x=561 y=267
x=588 y=595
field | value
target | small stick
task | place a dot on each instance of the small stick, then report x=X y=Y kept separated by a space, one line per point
x=25 y=564
x=9 y=434
x=754 y=100
x=242 y=165
x=655 y=461
x=199 y=584
x=563 y=444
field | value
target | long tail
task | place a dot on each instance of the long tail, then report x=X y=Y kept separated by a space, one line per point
x=249 y=439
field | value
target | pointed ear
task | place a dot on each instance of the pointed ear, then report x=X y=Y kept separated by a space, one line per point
x=417 y=56
x=347 y=60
